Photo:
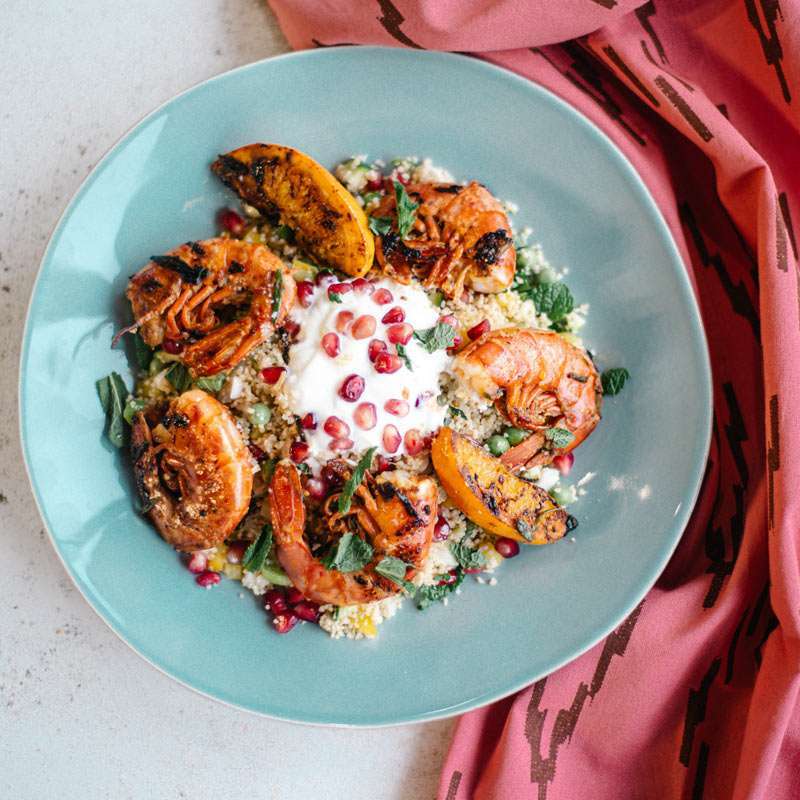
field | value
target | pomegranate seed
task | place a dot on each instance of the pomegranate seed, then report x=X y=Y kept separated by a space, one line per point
x=401 y=178
x=172 y=346
x=340 y=445
x=336 y=427
x=365 y=416
x=309 y=421
x=441 y=530
x=294 y=595
x=317 y=488
x=363 y=327
x=387 y=362
x=450 y=320
x=231 y=221
x=272 y=374
x=343 y=320
x=292 y=327
x=207 y=579
x=399 y=408
x=307 y=611
x=476 y=331
x=395 y=314
x=255 y=451
x=331 y=476
x=236 y=552
x=285 y=622
x=391 y=439
x=381 y=463
x=363 y=286
x=382 y=296
x=339 y=288
x=197 y=563
x=414 y=441
x=352 y=388
x=447 y=579
x=324 y=277
x=564 y=462
x=330 y=344
x=473 y=570
x=375 y=346
x=399 y=334
x=456 y=344
x=305 y=293
x=299 y=451
x=275 y=601
x=508 y=548
x=373 y=184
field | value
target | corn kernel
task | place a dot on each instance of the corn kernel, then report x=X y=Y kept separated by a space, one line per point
x=366 y=626
x=216 y=563
x=233 y=571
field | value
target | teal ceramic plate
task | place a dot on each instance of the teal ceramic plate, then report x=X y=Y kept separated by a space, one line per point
x=589 y=210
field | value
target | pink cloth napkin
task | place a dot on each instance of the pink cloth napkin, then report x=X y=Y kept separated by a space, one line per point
x=695 y=695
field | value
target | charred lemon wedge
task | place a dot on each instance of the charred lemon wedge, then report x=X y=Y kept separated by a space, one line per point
x=492 y=496
x=326 y=219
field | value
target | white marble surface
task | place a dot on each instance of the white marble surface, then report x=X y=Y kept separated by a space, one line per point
x=82 y=716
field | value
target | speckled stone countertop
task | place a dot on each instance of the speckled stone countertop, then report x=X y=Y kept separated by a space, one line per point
x=81 y=715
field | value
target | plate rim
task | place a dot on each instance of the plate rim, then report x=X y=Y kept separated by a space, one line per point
x=690 y=302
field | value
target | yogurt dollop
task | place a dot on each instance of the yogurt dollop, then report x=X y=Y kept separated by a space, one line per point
x=395 y=409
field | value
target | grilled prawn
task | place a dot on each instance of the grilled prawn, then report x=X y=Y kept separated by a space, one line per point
x=395 y=514
x=538 y=381
x=216 y=300
x=461 y=238
x=193 y=471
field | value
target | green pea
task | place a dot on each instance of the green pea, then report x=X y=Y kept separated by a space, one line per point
x=437 y=298
x=260 y=415
x=515 y=436
x=547 y=275
x=497 y=444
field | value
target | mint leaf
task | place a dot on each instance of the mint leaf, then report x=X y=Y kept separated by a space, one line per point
x=406 y=210
x=380 y=226
x=277 y=294
x=401 y=351
x=350 y=554
x=334 y=297
x=395 y=570
x=614 y=379
x=113 y=393
x=427 y=595
x=143 y=353
x=440 y=337
x=457 y=412
x=285 y=232
x=466 y=555
x=553 y=299
x=211 y=383
x=257 y=552
x=354 y=481
x=179 y=377
x=558 y=437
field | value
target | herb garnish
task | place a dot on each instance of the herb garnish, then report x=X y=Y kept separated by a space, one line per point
x=354 y=481
x=188 y=273
x=211 y=383
x=285 y=232
x=467 y=556
x=553 y=299
x=144 y=354
x=179 y=377
x=133 y=405
x=614 y=379
x=558 y=437
x=257 y=552
x=406 y=210
x=395 y=570
x=440 y=337
x=350 y=554
x=380 y=226
x=457 y=412
x=432 y=594
x=112 y=393
x=277 y=294
x=401 y=351
x=334 y=297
